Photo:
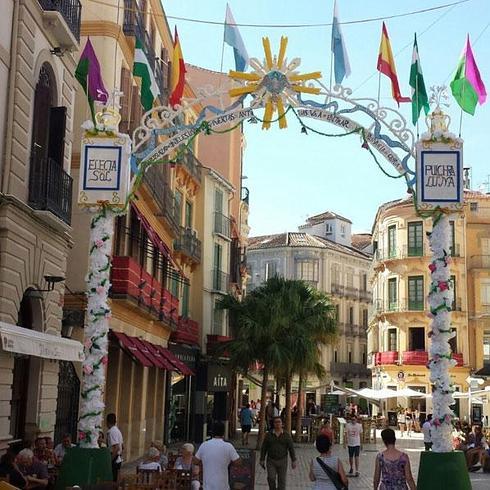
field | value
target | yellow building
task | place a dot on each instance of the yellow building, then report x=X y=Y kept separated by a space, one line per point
x=154 y=338
x=397 y=336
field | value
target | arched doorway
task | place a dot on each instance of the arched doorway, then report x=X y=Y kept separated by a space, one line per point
x=29 y=317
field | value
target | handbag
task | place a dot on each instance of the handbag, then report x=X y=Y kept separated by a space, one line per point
x=333 y=475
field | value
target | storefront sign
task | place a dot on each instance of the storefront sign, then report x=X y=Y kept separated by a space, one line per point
x=439 y=175
x=219 y=378
x=104 y=170
x=187 y=356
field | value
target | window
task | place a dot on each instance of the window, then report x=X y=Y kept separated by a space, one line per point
x=392 y=340
x=188 y=214
x=178 y=206
x=473 y=206
x=307 y=270
x=392 y=294
x=335 y=274
x=349 y=355
x=456 y=304
x=218 y=316
x=349 y=275
x=218 y=255
x=342 y=230
x=351 y=315
x=337 y=312
x=415 y=239
x=174 y=285
x=363 y=281
x=185 y=300
x=453 y=239
x=218 y=200
x=416 y=293
x=270 y=269
x=485 y=296
x=454 y=342
x=392 y=241
x=364 y=359
x=416 y=339
x=336 y=355
x=486 y=346
x=328 y=229
x=365 y=318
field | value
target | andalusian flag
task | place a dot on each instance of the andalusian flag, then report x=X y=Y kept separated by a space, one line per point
x=90 y=78
x=142 y=69
x=340 y=58
x=234 y=39
x=467 y=86
x=177 y=76
x=386 y=65
x=419 y=94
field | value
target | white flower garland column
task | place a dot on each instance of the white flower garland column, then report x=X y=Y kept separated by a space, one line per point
x=97 y=328
x=440 y=357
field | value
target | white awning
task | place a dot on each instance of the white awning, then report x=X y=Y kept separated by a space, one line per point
x=32 y=343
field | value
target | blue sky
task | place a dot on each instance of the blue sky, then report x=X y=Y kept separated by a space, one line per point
x=292 y=175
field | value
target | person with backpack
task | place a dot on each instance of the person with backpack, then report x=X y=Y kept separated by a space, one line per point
x=326 y=471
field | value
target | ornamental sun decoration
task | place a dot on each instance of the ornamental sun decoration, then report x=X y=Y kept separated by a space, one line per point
x=439 y=194
x=103 y=191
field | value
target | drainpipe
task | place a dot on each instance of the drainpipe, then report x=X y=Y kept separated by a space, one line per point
x=10 y=97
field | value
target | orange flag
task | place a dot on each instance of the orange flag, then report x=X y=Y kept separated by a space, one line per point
x=386 y=65
x=177 y=75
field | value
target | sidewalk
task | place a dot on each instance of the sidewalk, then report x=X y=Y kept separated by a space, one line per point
x=299 y=478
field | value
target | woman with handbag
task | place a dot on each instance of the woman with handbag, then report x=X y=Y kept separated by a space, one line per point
x=326 y=471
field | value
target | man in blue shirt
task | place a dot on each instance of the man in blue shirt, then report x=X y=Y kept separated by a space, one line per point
x=246 y=421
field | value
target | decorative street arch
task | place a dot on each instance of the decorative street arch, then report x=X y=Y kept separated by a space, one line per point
x=276 y=87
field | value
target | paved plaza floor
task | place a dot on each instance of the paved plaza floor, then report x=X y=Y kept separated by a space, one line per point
x=413 y=446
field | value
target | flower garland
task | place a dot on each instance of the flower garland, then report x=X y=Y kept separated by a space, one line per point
x=440 y=301
x=96 y=330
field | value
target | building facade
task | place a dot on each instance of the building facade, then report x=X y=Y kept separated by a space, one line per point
x=38 y=41
x=338 y=269
x=398 y=343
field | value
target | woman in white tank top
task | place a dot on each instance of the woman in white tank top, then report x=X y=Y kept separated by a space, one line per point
x=318 y=475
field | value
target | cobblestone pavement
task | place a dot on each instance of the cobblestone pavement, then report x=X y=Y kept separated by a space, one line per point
x=298 y=478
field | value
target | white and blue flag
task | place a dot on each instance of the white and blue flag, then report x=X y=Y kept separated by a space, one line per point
x=234 y=39
x=340 y=58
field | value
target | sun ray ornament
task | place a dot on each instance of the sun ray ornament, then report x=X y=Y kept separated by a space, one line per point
x=274 y=83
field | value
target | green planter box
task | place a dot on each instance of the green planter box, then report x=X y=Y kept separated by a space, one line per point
x=443 y=471
x=84 y=467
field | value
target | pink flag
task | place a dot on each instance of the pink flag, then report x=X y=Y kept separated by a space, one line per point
x=473 y=74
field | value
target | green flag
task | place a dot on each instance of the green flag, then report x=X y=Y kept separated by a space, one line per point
x=142 y=69
x=419 y=94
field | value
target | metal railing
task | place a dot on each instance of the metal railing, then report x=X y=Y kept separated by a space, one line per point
x=191 y=164
x=349 y=368
x=222 y=224
x=403 y=305
x=71 y=10
x=188 y=244
x=365 y=296
x=351 y=292
x=479 y=262
x=163 y=196
x=220 y=280
x=50 y=188
x=337 y=288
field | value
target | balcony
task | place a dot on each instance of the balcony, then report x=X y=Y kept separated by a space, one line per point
x=215 y=345
x=365 y=296
x=220 y=281
x=351 y=292
x=403 y=306
x=479 y=262
x=389 y=357
x=50 y=188
x=132 y=283
x=63 y=18
x=337 y=289
x=351 y=330
x=188 y=245
x=222 y=225
x=191 y=165
x=187 y=332
x=163 y=196
x=415 y=358
x=349 y=369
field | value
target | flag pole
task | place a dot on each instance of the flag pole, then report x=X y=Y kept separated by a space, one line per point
x=379 y=87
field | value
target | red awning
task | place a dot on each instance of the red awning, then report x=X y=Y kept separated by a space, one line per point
x=181 y=366
x=133 y=350
x=156 y=355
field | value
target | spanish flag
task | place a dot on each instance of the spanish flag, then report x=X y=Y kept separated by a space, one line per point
x=177 y=75
x=386 y=65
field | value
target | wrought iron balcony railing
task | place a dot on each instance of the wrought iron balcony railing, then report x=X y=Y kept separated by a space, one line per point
x=220 y=280
x=222 y=224
x=188 y=244
x=71 y=10
x=191 y=164
x=479 y=262
x=50 y=188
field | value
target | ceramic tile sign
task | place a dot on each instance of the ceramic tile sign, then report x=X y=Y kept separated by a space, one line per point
x=439 y=175
x=104 y=170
